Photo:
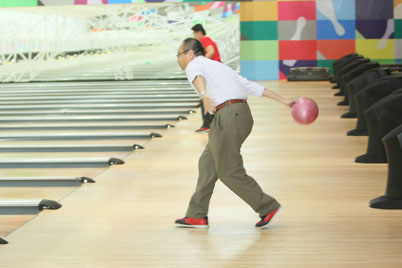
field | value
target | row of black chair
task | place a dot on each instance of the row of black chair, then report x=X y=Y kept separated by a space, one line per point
x=374 y=95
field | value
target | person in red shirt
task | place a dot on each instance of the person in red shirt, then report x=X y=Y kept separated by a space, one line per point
x=211 y=52
x=210 y=47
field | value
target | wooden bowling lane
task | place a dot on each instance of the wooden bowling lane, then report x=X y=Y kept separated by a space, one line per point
x=70 y=144
x=179 y=95
x=101 y=106
x=170 y=90
x=92 y=118
x=97 y=92
x=126 y=218
x=135 y=73
x=80 y=135
x=12 y=134
x=63 y=154
x=20 y=139
x=104 y=97
x=110 y=68
x=37 y=172
x=93 y=126
x=143 y=124
x=102 y=101
x=142 y=112
x=106 y=112
x=114 y=83
x=10 y=223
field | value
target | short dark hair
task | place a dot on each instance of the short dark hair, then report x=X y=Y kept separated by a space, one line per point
x=199 y=28
x=194 y=45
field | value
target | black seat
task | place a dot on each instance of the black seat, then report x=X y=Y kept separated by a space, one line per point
x=347 y=68
x=349 y=64
x=342 y=62
x=393 y=193
x=371 y=94
x=358 y=84
x=338 y=64
x=361 y=69
x=382 y=117
x=398 y=91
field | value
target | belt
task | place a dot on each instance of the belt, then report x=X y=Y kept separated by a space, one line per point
x=220 y=106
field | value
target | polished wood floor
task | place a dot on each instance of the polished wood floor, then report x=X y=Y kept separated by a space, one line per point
x=126 y=218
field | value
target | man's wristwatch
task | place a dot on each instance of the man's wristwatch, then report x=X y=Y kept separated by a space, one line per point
x=202 y=94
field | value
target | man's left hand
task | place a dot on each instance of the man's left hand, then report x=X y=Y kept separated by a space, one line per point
x=209 y=104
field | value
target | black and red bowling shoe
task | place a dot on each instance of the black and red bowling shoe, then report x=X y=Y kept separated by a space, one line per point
x=263 y=223
x=203 y=129
x=193 y=222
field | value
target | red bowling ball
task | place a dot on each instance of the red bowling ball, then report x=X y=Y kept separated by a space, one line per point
x=304 y=111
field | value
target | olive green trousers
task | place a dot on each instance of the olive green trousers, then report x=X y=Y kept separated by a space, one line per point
x=222 y=160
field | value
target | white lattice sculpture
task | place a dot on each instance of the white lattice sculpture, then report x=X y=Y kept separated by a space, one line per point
x=59 y=39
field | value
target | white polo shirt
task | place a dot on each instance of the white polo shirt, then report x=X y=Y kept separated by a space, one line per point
x=222 y=83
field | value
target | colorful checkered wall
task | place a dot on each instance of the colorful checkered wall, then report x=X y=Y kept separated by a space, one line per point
x=277 y=35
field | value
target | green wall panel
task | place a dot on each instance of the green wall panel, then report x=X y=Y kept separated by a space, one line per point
x=398 y=29
x=259 y=30
x=326 y=63
x=384 y=61
x=18 y=3
x=258 y=50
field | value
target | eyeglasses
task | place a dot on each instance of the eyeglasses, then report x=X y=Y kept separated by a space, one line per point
x=184 y=51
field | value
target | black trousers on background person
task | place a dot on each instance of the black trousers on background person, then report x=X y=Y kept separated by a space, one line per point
x=206 y=118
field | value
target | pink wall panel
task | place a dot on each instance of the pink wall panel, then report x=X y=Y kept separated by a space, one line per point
x=294 y=10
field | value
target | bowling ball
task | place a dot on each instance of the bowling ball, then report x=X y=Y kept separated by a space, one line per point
x=304 y=111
